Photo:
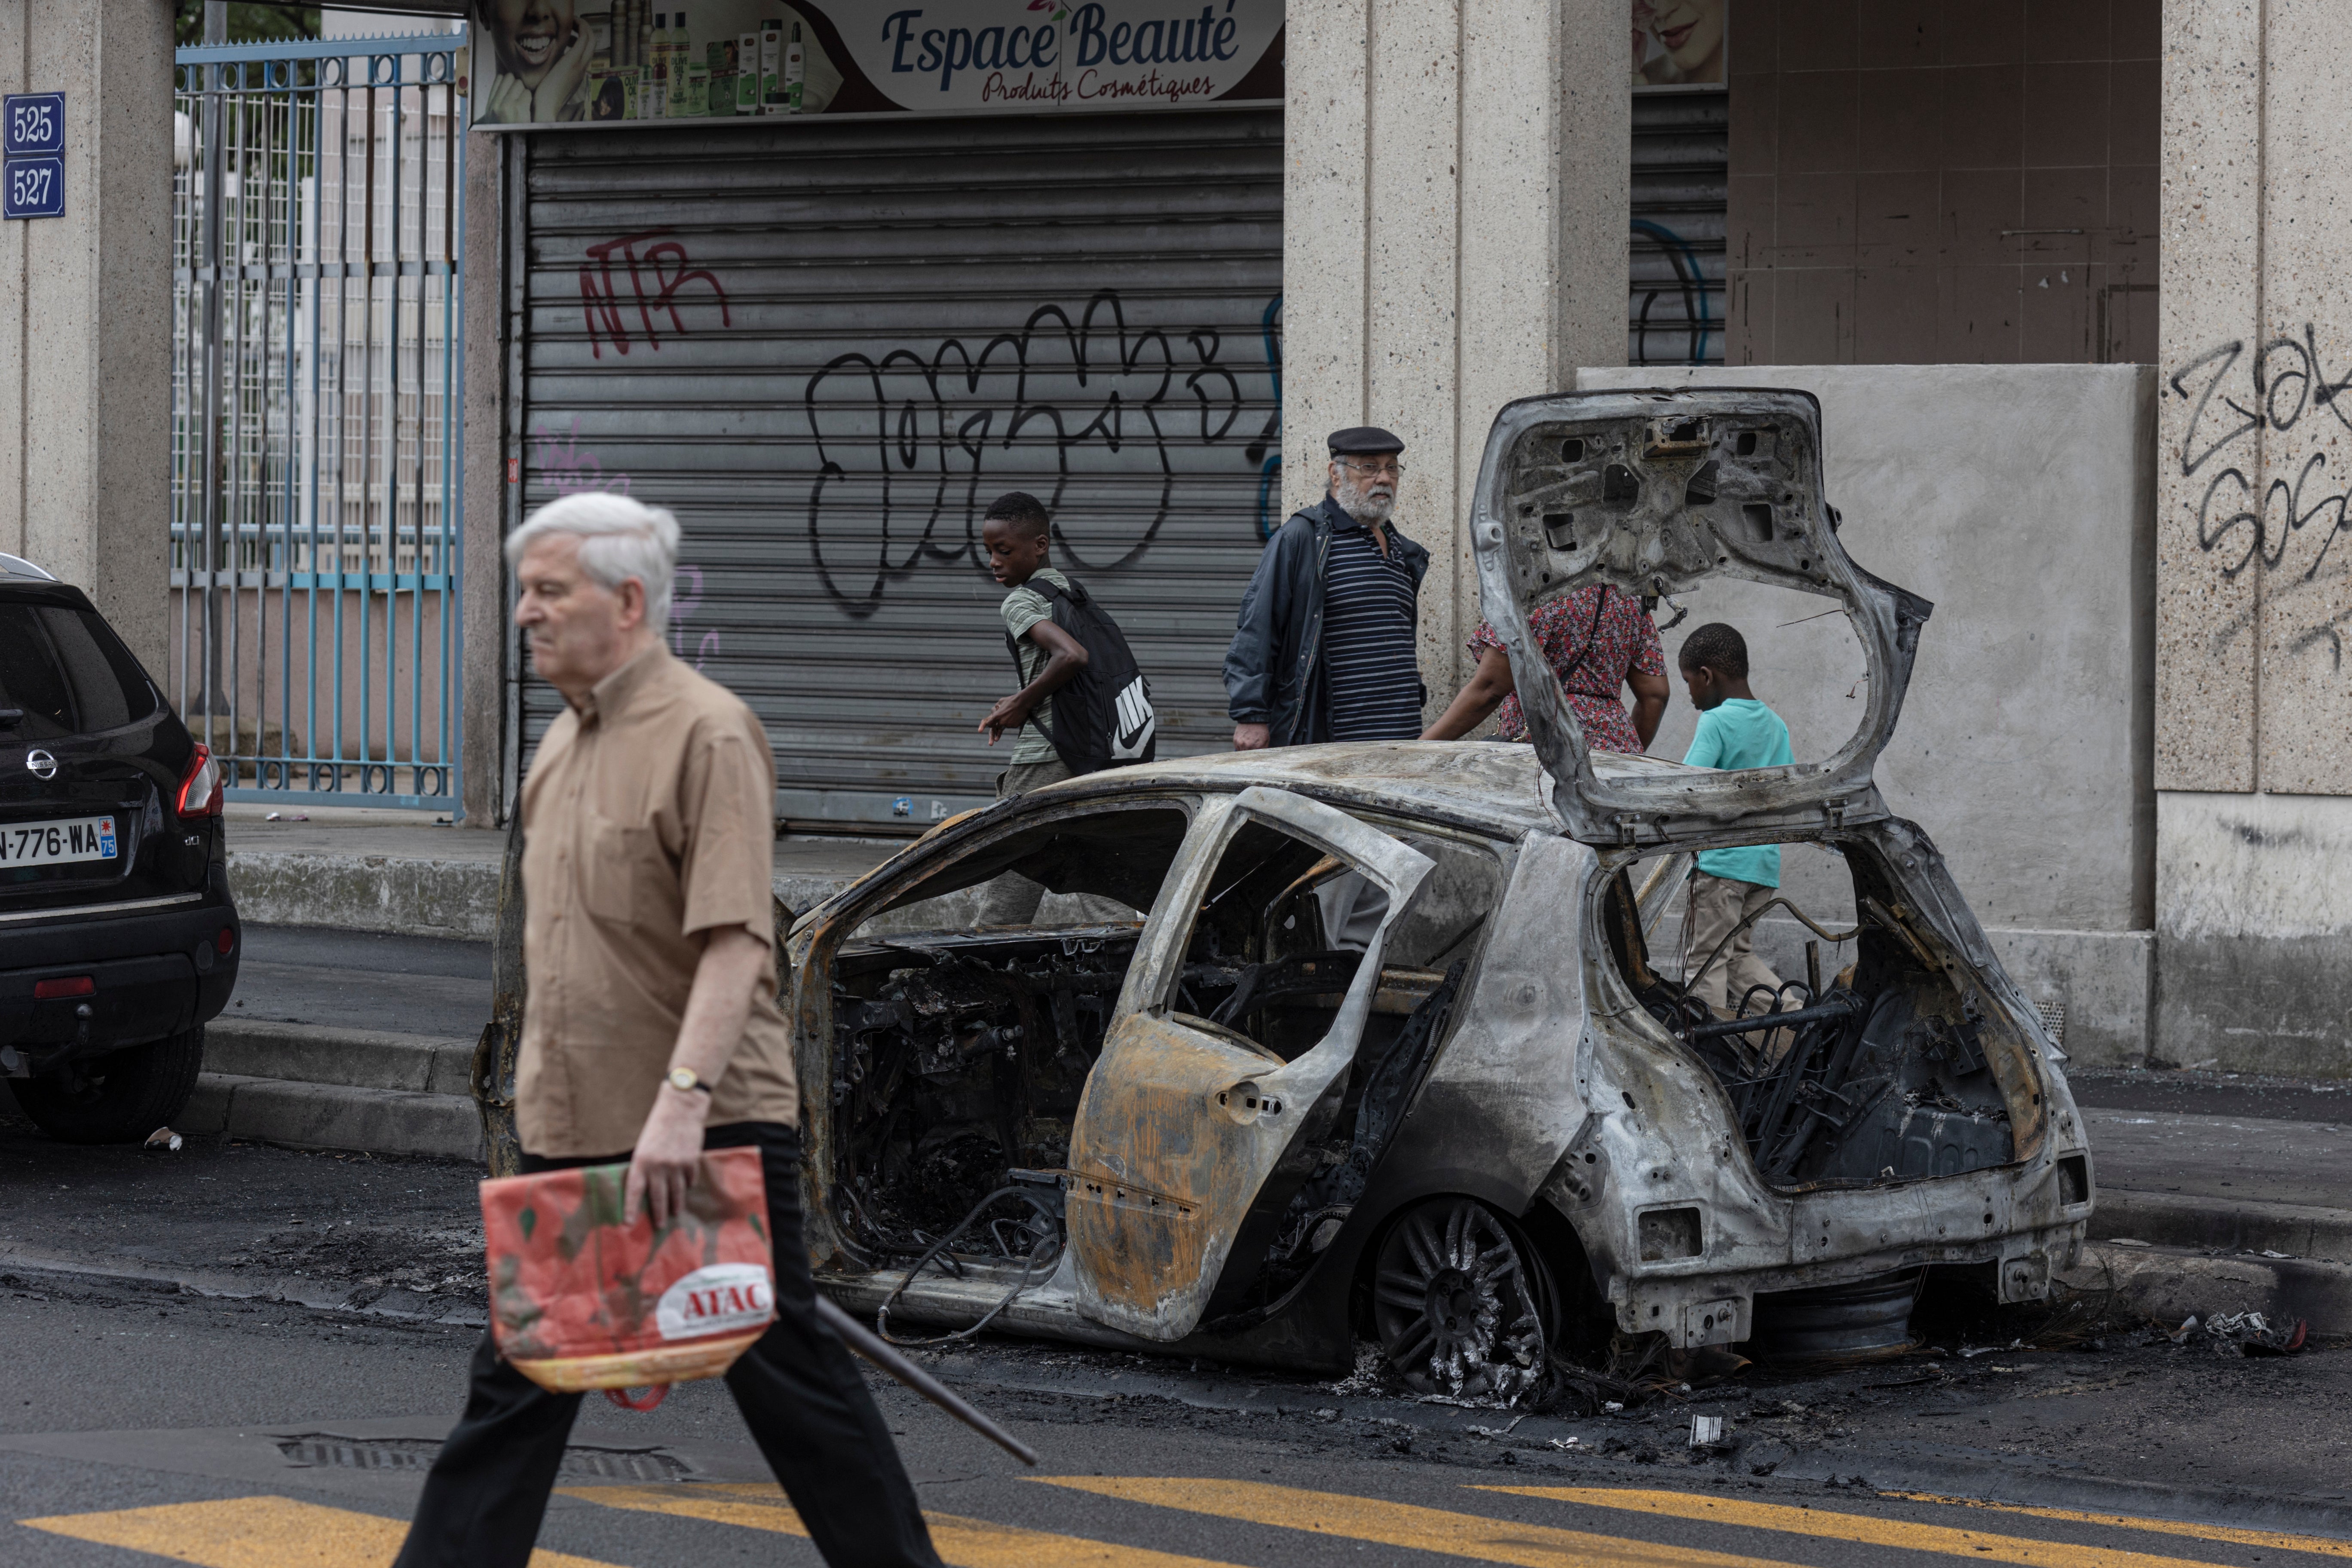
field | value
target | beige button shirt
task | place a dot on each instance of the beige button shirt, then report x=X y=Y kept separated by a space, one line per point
x=648 y=819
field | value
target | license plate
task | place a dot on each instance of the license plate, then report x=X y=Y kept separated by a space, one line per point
x=55 y=843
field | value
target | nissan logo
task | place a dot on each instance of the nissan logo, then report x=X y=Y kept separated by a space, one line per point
x=44 y=765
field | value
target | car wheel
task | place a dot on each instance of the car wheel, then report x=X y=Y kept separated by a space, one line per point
x=118 y=1098
x=1460 y=1302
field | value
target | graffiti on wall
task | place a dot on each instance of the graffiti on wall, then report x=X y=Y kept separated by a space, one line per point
x=565 y=469
x=912 y=445
x=653 y=271
x=568 y=468
x=2274 y=410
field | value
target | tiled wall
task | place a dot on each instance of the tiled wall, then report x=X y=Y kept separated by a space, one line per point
x=1943 y=181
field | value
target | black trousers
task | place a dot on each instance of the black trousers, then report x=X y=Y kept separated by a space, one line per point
x=797 y=1388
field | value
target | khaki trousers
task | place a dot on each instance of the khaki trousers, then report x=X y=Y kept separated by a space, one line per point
x=1012 y=899
x=1716 y=904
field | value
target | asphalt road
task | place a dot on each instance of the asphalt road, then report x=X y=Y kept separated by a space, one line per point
x=335 y=1300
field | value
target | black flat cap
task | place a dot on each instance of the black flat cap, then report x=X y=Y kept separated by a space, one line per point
x=1364 y=441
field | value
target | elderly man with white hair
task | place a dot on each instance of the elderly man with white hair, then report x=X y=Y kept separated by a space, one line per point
x=651 y=1033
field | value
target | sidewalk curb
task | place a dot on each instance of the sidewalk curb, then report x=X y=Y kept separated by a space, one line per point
x=407 y=895
x=334 y=1116
x=2300 y=1231
x=326 y=1054
x=411 y=895
x=2169 y=1284
x=34 y=1268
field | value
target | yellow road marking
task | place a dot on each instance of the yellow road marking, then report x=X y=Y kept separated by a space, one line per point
x=965 y=1543
x=1405 y=1525
x=1831 y=1524
x=257 y=1532
x=2323 y=1545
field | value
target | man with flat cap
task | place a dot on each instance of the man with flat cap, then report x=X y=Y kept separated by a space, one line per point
x=1324 y=647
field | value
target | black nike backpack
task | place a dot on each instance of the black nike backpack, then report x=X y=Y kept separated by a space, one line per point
x=1103 y=718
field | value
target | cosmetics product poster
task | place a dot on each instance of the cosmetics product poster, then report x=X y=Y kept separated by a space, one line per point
x=549 y=62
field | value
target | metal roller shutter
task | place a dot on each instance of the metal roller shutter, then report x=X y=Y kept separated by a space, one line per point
x=1681 y=193
x=828 y=346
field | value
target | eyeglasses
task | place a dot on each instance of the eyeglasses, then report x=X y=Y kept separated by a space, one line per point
x=1394 y=468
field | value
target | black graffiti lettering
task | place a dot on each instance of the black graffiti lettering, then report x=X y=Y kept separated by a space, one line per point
x=2191 y=459
x=916 y=433
x=2285 y=382
x=2211 y=535
x=2296 y=514
x=2298 y=375
x=2324 y=394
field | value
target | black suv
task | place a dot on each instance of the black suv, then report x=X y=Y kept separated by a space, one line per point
x=117 y=937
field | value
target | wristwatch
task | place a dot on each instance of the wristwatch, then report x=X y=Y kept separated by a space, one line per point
x=684 y=1077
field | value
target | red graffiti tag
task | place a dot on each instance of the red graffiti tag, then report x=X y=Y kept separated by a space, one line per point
x=667 y=261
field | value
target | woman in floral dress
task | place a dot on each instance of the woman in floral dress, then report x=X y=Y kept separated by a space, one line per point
x=1597 y=640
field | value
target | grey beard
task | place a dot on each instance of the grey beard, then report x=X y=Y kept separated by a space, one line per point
x=1364 y=509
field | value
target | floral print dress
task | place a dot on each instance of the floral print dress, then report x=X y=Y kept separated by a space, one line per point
x=1624 y=641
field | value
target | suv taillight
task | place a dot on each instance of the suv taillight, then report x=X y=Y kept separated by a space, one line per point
x=200 y=791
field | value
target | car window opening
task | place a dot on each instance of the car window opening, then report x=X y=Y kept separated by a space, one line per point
x=1882 y=1071
x=960 y=1051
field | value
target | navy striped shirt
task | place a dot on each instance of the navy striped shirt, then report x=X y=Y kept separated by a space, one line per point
x=1369 y=662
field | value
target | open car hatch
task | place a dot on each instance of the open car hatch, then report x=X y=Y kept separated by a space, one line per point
x=1653 y=492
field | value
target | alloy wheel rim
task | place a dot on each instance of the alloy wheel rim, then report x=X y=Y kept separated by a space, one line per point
x=1456 y=1312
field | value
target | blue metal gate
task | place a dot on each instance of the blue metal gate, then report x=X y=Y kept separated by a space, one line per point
x=316 y=521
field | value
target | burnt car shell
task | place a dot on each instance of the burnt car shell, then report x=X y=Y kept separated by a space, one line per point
x=1564 y=1109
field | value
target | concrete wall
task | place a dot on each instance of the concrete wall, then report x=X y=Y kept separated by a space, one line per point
x=2253 y=744
x=1454 y=226
x=1919 y=184
x=2018 y=499
x=85 y=333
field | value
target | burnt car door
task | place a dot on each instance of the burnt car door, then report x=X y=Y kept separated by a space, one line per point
x=1653 y=492
x=1183 y=1132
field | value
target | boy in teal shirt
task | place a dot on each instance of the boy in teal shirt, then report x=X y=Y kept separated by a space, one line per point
x=1734 y=731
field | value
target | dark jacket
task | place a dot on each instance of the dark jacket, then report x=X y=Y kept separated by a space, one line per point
x=1274 y=670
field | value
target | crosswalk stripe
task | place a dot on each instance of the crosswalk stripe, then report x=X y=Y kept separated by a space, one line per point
x=965 y=1542
x=1864 y=1529
x=257 y=1532
x=2319 y=1545
x=1406 y=1525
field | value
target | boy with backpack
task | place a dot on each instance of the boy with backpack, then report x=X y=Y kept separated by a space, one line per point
x=1734 y=731
x=1082 y=705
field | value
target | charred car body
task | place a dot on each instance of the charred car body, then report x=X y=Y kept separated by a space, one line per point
x=1366 y=1040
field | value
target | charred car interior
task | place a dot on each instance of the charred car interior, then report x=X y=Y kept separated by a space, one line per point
x=1878 y=1073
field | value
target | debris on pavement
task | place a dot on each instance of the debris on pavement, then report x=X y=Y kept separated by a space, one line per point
x=1706 y=1431
x=164 y=1139
x=2251 y=1335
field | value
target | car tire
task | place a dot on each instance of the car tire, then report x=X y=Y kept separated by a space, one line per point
x=118 y=1098
x=1462 y=1303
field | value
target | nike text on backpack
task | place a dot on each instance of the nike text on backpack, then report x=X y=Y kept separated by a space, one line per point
x=1103 y=718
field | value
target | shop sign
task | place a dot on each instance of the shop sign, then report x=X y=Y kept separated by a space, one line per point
x=560 y=62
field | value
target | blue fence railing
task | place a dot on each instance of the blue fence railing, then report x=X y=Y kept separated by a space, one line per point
x=317 y=482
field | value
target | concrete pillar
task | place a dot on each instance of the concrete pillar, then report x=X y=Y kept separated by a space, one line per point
x=1454 y=236
x=484 y=444
x=2253 y=742
x=86 y=314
